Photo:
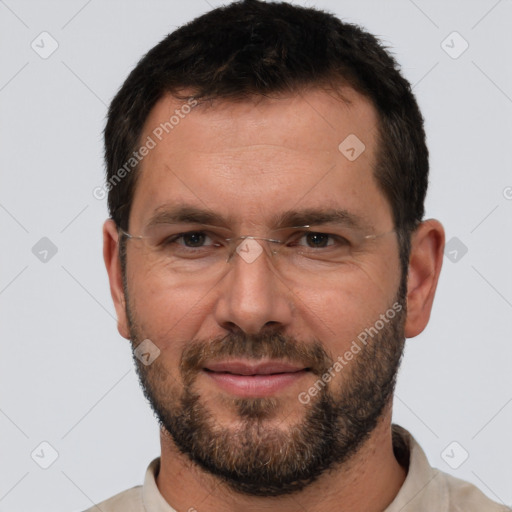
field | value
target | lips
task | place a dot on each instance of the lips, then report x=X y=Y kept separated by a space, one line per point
x=246 y=379
x=244 y=368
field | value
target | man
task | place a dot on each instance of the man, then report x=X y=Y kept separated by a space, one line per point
x=267 y=258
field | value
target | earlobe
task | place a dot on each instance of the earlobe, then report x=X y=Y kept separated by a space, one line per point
x=115 y=276
x=426 y=258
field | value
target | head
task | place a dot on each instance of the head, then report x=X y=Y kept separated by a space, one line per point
x=257 y=118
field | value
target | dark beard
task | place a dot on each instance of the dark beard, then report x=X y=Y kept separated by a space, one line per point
x=262 y=460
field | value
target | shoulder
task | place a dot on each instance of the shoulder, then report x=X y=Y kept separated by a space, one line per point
x=465 y=497
x=126 y=501
x=426 y=488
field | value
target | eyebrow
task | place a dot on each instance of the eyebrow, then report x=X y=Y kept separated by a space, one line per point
x=187 y=214
x=315 y=216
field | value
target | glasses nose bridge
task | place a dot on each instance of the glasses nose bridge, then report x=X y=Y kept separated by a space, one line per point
x=250 y=247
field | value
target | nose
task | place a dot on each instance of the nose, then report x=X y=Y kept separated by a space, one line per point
x=252 y=296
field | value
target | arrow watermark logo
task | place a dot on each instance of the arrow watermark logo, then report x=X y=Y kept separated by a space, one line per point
x=455 y=249
x=249 y=250
x=44 y=45
x=351 y=147
x=146 y=352
x=454 y=45
x=44 y=250
x=454 y=455
x=44 y=455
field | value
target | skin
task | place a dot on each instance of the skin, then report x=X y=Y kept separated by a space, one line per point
x=248 y=161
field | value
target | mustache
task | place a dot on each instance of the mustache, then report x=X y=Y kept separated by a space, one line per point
x=268 y=345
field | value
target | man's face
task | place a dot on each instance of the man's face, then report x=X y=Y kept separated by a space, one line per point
x=247 y=166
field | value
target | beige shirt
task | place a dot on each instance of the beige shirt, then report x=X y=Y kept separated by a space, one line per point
x=425 y=489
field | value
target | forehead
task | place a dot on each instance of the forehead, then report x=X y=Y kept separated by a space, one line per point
x=261 y=154
x=312 y=120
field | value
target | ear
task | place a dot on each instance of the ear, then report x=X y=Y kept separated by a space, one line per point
x=113 y=265
x=425 y=261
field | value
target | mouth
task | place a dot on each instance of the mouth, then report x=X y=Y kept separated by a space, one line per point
x=254 y=380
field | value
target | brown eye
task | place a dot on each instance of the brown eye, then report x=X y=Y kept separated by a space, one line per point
x=317 y=240
x=194 y=239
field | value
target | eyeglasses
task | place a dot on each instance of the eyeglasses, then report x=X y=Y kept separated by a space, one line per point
x=204 y=251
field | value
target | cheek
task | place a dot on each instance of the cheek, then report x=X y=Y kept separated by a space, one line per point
x=165 y=313
x=341 y=307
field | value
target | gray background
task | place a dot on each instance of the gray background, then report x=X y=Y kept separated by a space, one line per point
x=66 y=375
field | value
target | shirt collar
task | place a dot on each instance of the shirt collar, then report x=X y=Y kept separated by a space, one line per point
x=422 y=489
x=152 y=500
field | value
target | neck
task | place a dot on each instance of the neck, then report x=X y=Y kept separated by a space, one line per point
x=368 y=482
